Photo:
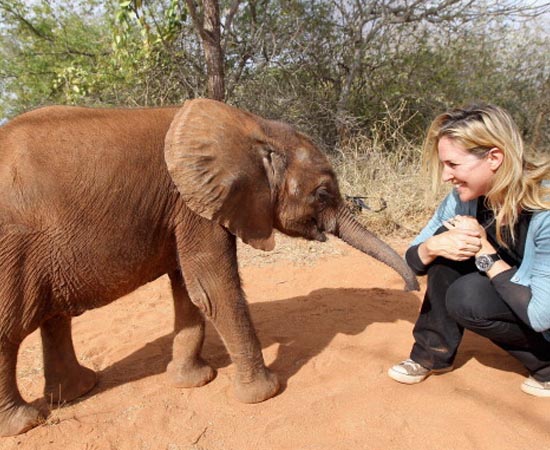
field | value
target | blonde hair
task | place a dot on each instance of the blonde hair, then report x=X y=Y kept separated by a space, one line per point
x=516 y=184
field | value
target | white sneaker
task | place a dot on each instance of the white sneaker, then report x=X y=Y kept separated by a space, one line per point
x=410 y=372
x=535 y=387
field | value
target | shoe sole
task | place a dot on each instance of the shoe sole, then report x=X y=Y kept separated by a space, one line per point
x=410 y=379
x=537 y=392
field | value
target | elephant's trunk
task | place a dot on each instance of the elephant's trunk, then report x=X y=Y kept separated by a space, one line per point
x=346 y=227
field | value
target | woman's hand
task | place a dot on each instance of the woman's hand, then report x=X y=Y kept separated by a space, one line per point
x=465 y=223
x=471 y=223
x=461 y=242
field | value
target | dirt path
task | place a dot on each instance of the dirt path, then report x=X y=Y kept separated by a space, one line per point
x=331 y=322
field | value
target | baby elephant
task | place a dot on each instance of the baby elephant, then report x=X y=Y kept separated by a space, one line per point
x=97 y=202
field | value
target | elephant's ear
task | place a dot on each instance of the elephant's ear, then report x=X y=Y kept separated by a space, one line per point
x=221 y=164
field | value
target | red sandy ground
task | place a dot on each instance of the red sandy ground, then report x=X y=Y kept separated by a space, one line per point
x=331 y=322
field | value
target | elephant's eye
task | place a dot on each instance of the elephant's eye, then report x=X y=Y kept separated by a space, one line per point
x=323 y=196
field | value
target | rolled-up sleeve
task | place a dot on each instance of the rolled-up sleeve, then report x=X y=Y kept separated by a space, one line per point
x=414 y=261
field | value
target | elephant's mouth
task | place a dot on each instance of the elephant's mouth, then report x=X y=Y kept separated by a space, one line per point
x=309 y=229
x=316 y=231
x=319 y=233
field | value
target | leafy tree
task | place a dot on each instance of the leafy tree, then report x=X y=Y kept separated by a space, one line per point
x=47 y=54
x=334 y=67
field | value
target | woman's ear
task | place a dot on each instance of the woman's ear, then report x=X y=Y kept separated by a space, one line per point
x=495 y=156
x=214 y=154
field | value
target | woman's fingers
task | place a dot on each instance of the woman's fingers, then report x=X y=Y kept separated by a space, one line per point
x=462 y=222
x=460 y=244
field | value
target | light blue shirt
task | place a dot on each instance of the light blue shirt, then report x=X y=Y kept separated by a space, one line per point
x=534 y=270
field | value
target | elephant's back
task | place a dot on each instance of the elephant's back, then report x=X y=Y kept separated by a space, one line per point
x=71 y=139
x=55 y=156
x=82 y=195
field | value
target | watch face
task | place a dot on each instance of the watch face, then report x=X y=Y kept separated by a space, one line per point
x=484 y=263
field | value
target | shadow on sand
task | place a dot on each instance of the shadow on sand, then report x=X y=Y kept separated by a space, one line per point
x=302 y=327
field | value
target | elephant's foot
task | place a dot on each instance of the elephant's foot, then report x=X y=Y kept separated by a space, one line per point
x=191 y=374
x=18 y=419
x=67 y=387
x=262 y=387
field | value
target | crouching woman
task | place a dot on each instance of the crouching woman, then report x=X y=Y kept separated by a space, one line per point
x=486 y=250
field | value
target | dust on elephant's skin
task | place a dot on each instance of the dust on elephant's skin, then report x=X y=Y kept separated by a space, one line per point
x=97 y=202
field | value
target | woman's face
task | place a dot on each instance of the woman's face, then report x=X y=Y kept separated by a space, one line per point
x=470 y=174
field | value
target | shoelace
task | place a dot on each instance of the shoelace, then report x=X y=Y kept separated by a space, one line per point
x=413 y=365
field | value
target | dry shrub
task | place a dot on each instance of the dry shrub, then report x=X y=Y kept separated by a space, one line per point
x=383 y=168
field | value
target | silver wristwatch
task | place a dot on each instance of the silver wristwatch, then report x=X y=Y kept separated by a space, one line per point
x=485 y=262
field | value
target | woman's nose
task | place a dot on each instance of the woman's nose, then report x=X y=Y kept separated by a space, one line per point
x=446 y=175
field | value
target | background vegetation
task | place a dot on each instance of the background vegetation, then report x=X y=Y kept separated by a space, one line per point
x=362 y=77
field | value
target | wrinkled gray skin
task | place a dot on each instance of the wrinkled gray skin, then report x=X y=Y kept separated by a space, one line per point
x=94 y=203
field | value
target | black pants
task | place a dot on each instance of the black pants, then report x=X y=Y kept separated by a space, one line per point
x=459 y=297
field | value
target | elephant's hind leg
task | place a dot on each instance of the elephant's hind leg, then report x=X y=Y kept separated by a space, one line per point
x=66 y=379
x=16 y=416
x=187 y=368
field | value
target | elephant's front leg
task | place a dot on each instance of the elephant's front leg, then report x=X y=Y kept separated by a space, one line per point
x=66 y=379
x=209 y=263
x=187 y=368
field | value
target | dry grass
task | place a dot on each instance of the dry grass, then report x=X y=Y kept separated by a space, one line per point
x=393 y=192
x=384 y=168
